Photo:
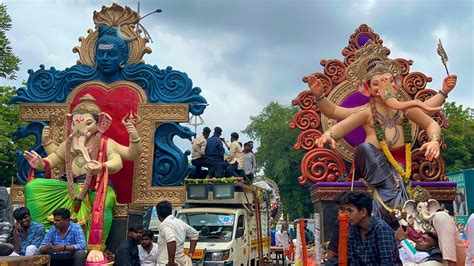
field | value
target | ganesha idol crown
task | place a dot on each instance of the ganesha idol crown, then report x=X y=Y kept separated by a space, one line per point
x=420 y=194
x=86 y=105
x=370 y=60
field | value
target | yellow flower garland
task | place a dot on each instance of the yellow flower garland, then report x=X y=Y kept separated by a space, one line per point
x=404 y=173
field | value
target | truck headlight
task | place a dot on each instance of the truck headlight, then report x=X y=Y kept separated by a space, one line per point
x=220 y=255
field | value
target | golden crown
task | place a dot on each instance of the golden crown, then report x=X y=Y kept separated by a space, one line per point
x=370 y=60
x=125 y=20
x=86 y=105
x=420 y=194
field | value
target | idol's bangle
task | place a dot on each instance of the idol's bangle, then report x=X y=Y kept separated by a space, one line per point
x=320 y=97
x=136 y=140
x=47 y=143
x=435 y=137
x=444 y=94
x=328 y=133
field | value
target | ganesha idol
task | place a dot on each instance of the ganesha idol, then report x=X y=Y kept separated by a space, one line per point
x=383 y=161
x=88 y=157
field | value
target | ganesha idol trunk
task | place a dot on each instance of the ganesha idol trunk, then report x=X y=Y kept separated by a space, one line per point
x=397 y=105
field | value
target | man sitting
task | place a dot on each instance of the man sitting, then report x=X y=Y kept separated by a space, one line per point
x=27 y=234
x=148 y=251
x=65 y=241
x=371 y=240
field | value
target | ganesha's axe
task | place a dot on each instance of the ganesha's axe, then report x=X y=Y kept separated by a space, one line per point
x=443 y=55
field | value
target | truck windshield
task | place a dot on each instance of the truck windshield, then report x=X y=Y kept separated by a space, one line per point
x=212 y=227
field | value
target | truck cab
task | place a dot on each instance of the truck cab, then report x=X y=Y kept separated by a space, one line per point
x=225 y=216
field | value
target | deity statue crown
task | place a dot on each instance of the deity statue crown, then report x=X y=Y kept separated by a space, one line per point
x=372 y=59
x=420 y=194
x=86 y=105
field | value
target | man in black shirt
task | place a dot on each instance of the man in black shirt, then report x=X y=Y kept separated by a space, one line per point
x=127 y=253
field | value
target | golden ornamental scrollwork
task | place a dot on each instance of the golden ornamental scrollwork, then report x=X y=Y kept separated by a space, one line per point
x=42 y=111
x=143 y=192
x=123 y=18
x=17 y=196
x=120 y=210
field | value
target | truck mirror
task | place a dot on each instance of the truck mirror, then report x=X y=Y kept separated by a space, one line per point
x=240 y=232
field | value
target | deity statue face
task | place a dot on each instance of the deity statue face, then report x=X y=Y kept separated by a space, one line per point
x=377 y=80
x=108 y=58
x=84 y=125
x=384 y=86
x=111 y=52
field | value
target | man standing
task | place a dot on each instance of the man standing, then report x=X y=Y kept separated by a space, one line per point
x=65 y=241
x=250 y=165
x=215 y=154
x=309 y=233
x=173 y=233
x=198 y=158
x=148 y=251
x=371 y=240
x=236 y=157
x=127 y=252
x=281 y=237
x=27 y=234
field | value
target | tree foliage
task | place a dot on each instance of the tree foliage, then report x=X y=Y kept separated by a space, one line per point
x=277 y=158
x=9 y=122
x=459 y=137
x=8 y=60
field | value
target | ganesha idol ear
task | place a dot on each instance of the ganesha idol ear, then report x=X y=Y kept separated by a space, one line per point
x=399 y=81
x=104 y=122
x=69 y=124
x=363 y=88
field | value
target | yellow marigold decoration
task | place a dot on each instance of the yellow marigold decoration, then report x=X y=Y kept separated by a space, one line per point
x=404 y=173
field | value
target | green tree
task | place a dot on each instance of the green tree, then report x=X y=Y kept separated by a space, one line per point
x=459 y=137
x=9 y=122
x=8 y=60
x=277 y=158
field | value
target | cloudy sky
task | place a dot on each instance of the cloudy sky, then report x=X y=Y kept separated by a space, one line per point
x=245 y=54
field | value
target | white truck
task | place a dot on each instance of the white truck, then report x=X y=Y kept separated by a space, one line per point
x=232 y=230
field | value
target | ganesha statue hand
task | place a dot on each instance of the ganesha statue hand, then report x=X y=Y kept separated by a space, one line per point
x=88 y=157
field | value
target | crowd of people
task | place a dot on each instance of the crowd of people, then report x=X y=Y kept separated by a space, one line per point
x=209 y=152
x=371 y=241
x=65 y=242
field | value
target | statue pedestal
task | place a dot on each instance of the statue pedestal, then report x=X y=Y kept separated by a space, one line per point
x=324 y=193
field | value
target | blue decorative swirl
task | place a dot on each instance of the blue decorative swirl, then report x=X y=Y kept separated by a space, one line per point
x=161 y=85
x=170 y=164
x=51 y=85
x=34 y=128
x=166 y=86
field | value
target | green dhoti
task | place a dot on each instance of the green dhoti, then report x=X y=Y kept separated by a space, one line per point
x=44 y=196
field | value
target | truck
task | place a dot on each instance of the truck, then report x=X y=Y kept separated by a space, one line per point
x=233 y=221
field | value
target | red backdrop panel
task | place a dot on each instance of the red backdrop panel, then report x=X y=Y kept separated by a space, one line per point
x=117 y=103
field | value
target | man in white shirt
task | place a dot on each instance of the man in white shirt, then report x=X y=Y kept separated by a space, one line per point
x=147 y=250
x=281 y=237
x=236 y=156
x=469 y=230
x=173 y=233
x=198 y=151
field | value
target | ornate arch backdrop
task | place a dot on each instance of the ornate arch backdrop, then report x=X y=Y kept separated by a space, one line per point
x=329 y=171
